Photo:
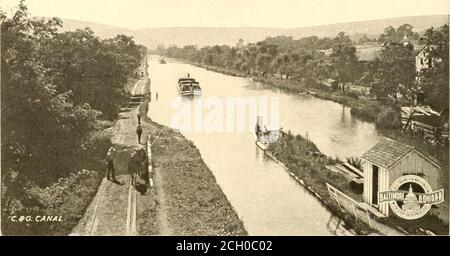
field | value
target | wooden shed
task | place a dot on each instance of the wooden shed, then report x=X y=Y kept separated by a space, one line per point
x=387 y=161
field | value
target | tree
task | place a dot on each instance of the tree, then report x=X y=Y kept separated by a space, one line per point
x=434 y=81
x=344 y=61
x=342 y=39
x=94 y=70
x=364 y=39
x=240 y=43
x=41 y=125
x=392 y=35
x=55 y=88
x=394 y=71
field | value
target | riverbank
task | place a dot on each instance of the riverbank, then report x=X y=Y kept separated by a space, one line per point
x=190 y=202
x=301 y=157
x=362 y=108
x=383 y=115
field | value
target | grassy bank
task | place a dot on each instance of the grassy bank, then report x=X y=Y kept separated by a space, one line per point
x=297 y=153
x=193 y=203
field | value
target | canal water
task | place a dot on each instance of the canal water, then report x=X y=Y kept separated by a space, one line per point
x=265 y=197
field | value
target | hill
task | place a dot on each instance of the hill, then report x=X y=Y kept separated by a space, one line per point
x=201 y=36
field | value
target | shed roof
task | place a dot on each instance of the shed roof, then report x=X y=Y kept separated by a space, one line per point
x=387 y=152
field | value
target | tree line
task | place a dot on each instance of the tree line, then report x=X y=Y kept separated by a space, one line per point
x=56 y=89
x=312 y=60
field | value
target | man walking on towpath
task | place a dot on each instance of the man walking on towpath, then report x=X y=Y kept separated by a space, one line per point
x=139 y=118
x=109 y=161
x=139 y=133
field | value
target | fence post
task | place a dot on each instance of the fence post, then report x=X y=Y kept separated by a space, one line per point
x=150 y=163
x=368 y=217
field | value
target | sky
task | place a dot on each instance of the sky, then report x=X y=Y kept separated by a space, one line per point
x=136 y=14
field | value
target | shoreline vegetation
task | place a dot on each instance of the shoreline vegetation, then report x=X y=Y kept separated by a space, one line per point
x=363 y=109
x=301 y=157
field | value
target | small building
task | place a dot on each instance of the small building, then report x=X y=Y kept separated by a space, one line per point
x=387 y=161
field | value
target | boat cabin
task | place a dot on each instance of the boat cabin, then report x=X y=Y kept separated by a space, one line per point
x=187 y=86
x=185 y=80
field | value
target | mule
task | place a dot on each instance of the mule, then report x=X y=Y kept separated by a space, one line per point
x=137 y=164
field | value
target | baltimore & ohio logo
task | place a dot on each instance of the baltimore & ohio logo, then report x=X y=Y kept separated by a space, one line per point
x=411 y=197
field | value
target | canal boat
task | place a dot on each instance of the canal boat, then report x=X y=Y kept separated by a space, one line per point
x=162 y=61
x=262 y=145
x=187 y=86
x=263 y=136
x=263 y=139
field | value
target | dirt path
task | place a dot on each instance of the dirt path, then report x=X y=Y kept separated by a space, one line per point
x=113 y=210
x=185 y=198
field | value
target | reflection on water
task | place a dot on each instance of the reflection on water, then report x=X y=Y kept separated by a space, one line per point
x=265 y=197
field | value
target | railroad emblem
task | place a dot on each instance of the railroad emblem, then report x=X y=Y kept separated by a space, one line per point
x=411 y=197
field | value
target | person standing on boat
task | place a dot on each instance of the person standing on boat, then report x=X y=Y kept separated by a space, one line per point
x=257 y=131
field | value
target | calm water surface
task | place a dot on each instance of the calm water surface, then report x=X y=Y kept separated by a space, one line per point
x=266 y=198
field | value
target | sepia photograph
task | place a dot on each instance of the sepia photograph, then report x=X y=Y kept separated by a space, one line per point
x=230 y=118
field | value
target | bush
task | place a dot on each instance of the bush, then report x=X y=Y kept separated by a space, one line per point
x=68 y=197
x=354 y=161
x=357 y=188
x=100 y=143
x=352 y=94
x=52 y=197
x=388 y=118
x=367 y=112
